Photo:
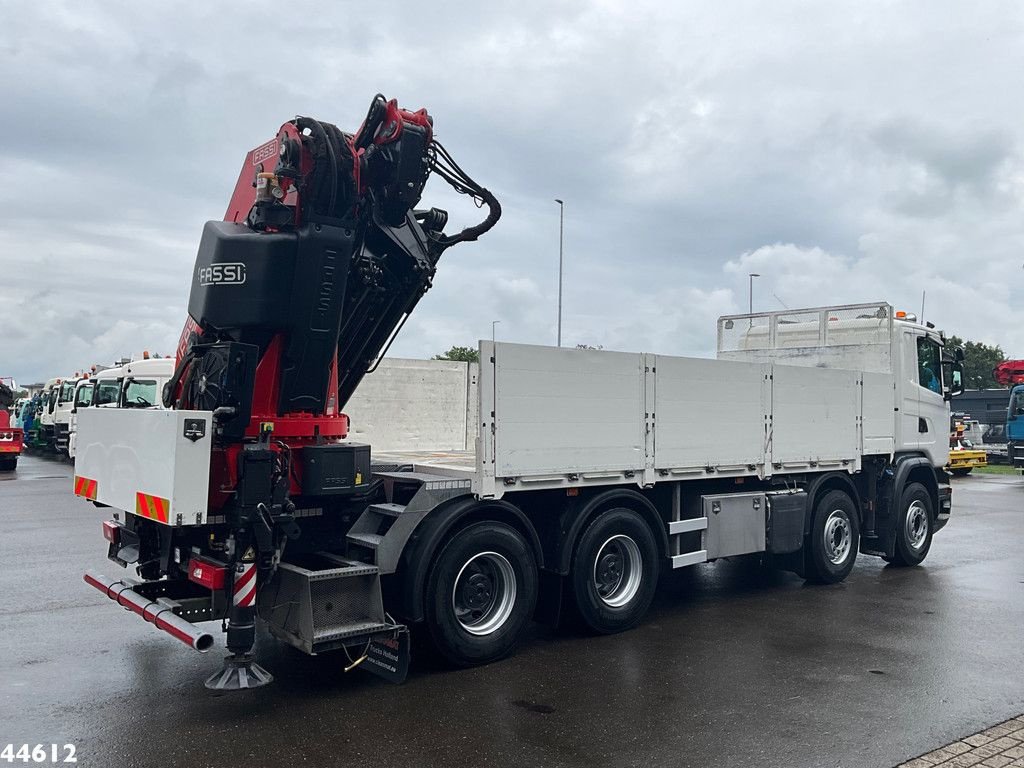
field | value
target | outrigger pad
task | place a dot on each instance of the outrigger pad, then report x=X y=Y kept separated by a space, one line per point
x=239 y=673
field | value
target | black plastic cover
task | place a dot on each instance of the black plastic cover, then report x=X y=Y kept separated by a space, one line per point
x=338 y=468
x=242 y=277
x=255 y=470
x=786 y=522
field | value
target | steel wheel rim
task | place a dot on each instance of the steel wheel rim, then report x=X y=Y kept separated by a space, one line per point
x=838 y=537
x=917 y=524
x=484 y=593
x=618 y=571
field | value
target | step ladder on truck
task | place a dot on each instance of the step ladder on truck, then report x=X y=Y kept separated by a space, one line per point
x=243 y=502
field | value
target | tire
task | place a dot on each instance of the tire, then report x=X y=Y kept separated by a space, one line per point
x=9 y=465
x=914 y=526
x=960 y=471
x=481 y=593
x=615 y=571
x=834 y=539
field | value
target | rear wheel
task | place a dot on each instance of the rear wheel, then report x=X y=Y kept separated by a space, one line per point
x=9 y=464
x=913 y=526
x=961 y=471
x=481 y=593
x=615 y=571
x=834 y=538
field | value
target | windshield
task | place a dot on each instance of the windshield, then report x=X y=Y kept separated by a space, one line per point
x=106 y=391
x=67 y=392
x=1017 y=402
x=140 y=393
x=83 y=397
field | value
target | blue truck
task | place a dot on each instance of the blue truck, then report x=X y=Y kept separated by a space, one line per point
x=1011 y=373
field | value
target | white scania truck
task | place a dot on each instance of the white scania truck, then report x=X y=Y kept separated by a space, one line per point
x=827 y=437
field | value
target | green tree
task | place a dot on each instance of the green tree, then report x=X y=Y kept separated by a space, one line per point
x=979 y=360
x=460 y=354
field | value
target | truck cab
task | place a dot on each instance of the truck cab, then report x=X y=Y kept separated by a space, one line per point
x=1015 y=427
x=143 y=382
x=45 y=431
x=63 y=406
x=102 y=389
x=84 y=390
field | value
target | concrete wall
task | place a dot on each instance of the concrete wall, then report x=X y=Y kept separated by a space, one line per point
x=416 y=405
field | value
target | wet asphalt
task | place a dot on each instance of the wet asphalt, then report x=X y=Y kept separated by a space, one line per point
x=735 y=666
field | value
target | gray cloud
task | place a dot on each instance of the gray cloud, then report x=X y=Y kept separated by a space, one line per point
x=846 y=151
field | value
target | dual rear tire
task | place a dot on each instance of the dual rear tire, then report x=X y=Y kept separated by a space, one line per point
x=482 y=587
x=481 y=592
x=614 y=571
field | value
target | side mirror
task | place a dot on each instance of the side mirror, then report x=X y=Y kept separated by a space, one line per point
x=957 y=380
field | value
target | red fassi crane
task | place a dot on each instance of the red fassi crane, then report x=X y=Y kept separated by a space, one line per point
x=1009 y=372
x=320 y=258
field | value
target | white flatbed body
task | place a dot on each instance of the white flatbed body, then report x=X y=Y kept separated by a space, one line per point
x=563 y=418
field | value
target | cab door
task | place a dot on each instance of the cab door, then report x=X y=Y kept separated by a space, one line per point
x=933 y=411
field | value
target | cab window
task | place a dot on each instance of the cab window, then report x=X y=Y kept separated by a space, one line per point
x=1017 y=403
x=106 y=391
x=83 y=397
x=140 y=393
x=929 y=364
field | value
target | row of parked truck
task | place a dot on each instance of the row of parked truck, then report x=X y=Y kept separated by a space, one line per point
x=48 y=420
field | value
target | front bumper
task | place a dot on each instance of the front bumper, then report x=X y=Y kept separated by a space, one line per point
x=967 y=459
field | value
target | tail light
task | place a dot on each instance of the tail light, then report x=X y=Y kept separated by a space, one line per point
x=112 y=531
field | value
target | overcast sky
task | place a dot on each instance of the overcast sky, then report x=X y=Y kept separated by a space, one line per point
x=846 y=151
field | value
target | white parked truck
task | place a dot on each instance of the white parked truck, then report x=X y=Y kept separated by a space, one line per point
x=49 y=394
x=62 y=412
x=245 y=501
x=829 y=439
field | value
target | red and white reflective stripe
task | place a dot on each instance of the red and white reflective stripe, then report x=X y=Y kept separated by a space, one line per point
x=244 y=592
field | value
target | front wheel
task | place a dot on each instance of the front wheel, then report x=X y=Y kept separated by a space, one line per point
x=914 y=526
x=481 y=593
x=615 y=571
x=834 y=538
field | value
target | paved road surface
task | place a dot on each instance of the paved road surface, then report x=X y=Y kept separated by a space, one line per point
x=735 y=666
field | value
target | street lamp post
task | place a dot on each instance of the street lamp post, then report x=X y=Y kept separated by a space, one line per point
x=751 y=291
x=561 y=240
x=493 y=323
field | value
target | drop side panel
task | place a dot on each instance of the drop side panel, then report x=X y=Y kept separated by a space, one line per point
x=814 y=417
x=567 y=411
x=709 y=413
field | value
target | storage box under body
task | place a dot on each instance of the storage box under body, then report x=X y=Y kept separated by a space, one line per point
x=150 y=462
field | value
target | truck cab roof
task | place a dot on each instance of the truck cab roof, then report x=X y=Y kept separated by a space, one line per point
x=163 y=366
